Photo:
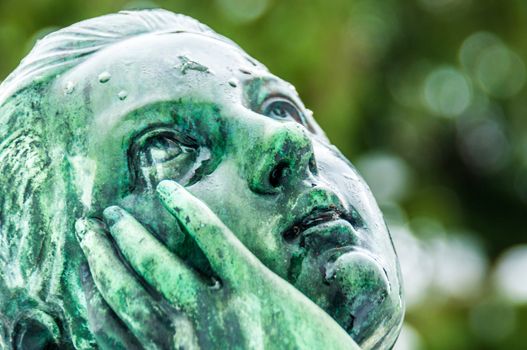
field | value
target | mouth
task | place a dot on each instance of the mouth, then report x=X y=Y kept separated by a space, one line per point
x=317 y=216
x=324 y=229
x=329 y=242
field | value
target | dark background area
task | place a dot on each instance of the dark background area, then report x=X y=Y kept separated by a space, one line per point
x=428 y=100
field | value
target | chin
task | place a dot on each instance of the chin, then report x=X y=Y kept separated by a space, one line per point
x=338 y=270
x=351 y=285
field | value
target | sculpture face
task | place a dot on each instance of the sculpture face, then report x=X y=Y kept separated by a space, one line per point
x=199 y=111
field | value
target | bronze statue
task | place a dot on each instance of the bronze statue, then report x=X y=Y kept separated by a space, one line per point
x=161 y=189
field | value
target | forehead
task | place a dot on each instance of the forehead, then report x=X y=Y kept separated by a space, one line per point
x=157 y=67
x=161 y=51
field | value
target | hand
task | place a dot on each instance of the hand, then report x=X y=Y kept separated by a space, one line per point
x=169 y=304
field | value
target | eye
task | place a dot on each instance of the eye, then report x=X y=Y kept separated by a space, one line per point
x=163 y=153
x=282 y=109
x=159 y=149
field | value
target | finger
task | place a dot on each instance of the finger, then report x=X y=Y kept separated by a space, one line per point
x=119 y=288
x=153 y=261
x=109 y=331
x=226 y=254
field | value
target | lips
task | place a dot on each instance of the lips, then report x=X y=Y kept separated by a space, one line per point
x=317 y=216
x=322 y=229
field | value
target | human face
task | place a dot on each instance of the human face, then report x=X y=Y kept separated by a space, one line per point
x=199 y=111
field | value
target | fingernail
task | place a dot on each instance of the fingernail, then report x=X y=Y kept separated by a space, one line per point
x=84 y=225
x=168 y=188
x=112 y=215
x=80 y=229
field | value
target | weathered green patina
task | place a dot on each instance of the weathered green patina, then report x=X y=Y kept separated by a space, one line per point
x=161 y=189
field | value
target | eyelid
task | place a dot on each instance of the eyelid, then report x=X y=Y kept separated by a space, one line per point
x=272 y=98
x=142 y=137
x=138 y=141
x=277 y=97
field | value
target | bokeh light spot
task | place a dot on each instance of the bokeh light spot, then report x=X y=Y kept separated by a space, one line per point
x=460 y=265
x=500 y=72
x=409 y=339
x=510 y=274
x=242 y=11
x=492 y=320
x=447 y=92
x=417 y=267
x=387 y=175
x=483 y=143
x=443 y=6
x=473 y=46
x=371 y=28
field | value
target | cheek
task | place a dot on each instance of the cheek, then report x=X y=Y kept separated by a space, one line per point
x=106 y=169
x=150 y=212
x=339 y=175
x=253 y=218
x=97 y=184
x=355 y=192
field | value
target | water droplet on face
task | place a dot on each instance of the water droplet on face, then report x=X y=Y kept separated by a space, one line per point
x=70 y=86
x=104 y=77
x=215 y=284
x=232 y=83
x=123 y=95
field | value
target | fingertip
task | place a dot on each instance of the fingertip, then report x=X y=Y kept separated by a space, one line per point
x=84 y=226
x=113 y=214
x=168 y=188
x=80 y=229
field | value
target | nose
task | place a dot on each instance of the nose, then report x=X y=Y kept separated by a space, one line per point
x=278 y=158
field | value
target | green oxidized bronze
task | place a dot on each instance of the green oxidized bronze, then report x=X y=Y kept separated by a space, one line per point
x=161 y=189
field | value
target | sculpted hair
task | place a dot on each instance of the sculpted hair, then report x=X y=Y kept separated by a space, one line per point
x=38 y=205
x=68 y=47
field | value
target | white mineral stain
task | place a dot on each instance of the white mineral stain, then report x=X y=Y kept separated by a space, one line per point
x=24 y=167
x=84 y=169
x=185 y=338
x=58 y=226
x=249 y=309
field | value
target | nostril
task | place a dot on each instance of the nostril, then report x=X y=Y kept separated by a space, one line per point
x=279 y=174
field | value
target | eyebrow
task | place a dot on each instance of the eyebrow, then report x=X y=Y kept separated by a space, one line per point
x=265 y=79
x=254 y=85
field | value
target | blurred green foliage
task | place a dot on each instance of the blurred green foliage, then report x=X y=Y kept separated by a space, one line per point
x=428 y=99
